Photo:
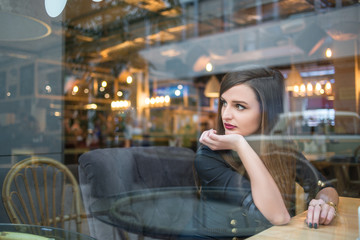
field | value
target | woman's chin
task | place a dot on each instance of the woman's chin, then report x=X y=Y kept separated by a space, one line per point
x=228 y=131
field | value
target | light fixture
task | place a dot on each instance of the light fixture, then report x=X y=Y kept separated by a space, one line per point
x=328 y=53
x=209 y=67
x=328 y=88
x=294 y=81
x=125 y=76
x=48 y=88
x=75 y=89
x=22 y=28
x=97 y=0
x=212 y=87
x=158 y=101
x=309 y=89
x=54 y=7
x=302 y=90
x=122 y=104
x=129 y=79
x=296 y=91
x=104 y=83
x=318 y=88
x=91 y=106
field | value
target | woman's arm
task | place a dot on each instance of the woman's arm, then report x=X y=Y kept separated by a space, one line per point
x=322 y=209
x=265 y=192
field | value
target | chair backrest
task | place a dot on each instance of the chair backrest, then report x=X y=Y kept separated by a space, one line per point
x=42 y=191
x=112 y=171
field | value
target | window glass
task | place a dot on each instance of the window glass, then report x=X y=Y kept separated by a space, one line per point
x=82 y=75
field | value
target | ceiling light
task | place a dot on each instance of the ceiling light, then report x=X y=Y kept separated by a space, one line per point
x=294 y=77
x=302 y=90
x=54 y=7
x=209 y=67
x=309 y=89
x=212 y=87
x=318 y=88
x=328 y=53
x=75 y=89
x=328 y=88
x=22 y=28
x=129 y=79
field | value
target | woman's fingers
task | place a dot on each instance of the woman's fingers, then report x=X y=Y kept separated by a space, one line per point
x=310 y=214
x=204 y=135
x=330 y=215
x=316 y=214
x=324 y=213
x=207 y=138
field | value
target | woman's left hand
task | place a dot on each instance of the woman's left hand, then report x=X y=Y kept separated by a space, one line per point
x=319 y=212
x=220 y=142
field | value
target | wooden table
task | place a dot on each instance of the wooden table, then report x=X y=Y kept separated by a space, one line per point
x=344 y=226
x=26 y=231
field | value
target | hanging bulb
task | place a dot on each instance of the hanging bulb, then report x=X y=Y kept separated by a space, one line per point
x=209 y=67
x=129 y=79
x=296 y=91
x=302 y=90
x=328 y=88
x=318 y=89
x=328 y=53
x=309 y=89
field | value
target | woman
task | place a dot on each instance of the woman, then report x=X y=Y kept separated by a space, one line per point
x=249 y=104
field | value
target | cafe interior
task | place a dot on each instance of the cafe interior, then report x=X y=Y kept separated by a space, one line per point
x=108 y=96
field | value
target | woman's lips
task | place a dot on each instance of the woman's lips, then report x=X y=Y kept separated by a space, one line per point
x=229 y=126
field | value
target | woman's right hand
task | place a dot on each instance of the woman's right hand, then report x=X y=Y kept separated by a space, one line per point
x=220 y=142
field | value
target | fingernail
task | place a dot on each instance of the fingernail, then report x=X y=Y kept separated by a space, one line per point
x=315 y=225
x=310 y=225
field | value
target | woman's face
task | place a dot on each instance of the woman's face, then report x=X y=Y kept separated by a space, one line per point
x=240 y=111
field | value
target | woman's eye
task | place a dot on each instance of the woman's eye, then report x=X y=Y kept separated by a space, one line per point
x=240 y=107
x=223 y=103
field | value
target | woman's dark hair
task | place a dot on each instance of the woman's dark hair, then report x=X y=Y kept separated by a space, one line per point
x=267 y=84
x=269 y=88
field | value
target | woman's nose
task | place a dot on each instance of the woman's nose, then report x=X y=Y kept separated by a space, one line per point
x=226 y=113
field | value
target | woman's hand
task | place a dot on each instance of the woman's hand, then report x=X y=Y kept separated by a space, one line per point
x=319 y=212
x=220 y=142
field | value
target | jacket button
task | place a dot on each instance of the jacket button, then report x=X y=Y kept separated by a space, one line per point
x=233 y=222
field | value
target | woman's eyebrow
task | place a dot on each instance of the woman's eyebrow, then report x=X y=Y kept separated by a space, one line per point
x=235 y=101
x=239 y=102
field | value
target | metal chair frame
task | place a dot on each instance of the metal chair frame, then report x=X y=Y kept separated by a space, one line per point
x=27 y=213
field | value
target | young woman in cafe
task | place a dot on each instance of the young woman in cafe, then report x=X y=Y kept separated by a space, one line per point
x=250 y=103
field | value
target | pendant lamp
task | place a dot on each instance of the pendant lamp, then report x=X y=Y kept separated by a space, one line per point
x=212 y=87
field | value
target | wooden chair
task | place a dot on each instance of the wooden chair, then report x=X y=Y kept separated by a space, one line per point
x=42 y=191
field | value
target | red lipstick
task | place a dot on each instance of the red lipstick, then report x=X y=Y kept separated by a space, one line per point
x=229 y=126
